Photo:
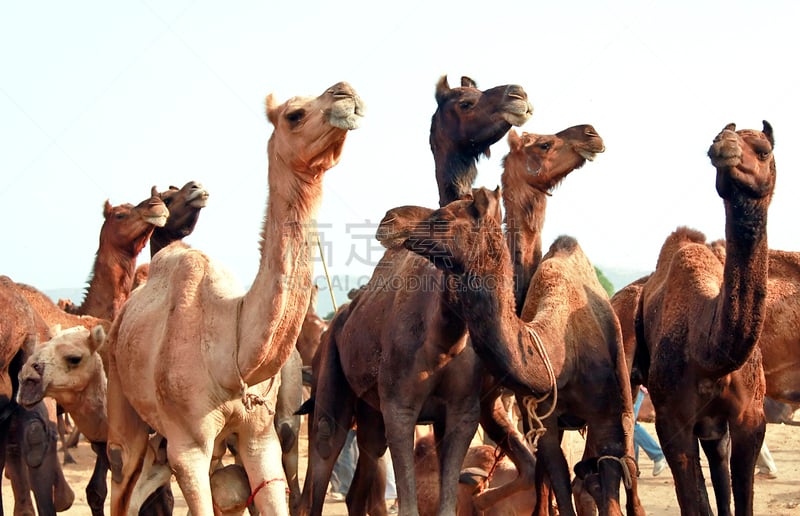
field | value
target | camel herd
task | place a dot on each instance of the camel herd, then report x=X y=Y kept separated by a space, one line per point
x=167 y=367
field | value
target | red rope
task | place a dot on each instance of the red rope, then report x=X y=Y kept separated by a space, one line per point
x=257 y=489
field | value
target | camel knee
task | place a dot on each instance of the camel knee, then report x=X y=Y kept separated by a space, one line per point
x=115 y=462
x=36 y=443
x=287 y=436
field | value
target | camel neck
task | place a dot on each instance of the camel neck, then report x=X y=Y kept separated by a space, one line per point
x=110 y=285
x=88 y=407
x=273 y=309
x=498 y=335
x=525 y=210
x=455 y=173
x=741 y=305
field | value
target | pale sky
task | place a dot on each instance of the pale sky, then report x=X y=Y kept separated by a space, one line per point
x=101 y=100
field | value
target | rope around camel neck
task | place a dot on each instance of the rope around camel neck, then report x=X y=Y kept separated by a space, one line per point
x=531 y=402
x=626 y=472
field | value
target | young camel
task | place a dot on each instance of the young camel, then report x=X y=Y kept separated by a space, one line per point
x=698 y=326
x=389 y=373
x=194 y=357
x=569 y=351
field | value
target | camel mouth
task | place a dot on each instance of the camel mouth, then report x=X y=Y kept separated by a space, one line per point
x=518 y=111
x=198 y=199
x=347 y=112
x=588 y=155
x=158 y=221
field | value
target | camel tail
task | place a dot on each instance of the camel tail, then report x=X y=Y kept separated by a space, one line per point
x=306 y=408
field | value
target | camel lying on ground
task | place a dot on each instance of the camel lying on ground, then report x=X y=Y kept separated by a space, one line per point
x=390 y=373
x=697 y=328
x=566 y=352
x=484 y=466
x=196 y=395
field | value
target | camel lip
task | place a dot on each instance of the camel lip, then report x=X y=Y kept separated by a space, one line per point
x=157 y=220
x=199 y=198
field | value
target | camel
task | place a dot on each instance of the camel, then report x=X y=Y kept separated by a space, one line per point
x=27 y=436
x=196 y=358
x=416 y=366
x=697 y=328
x=184 y=206
x=125 y=231
x=483 y=466
x=570 y=352
x=467 y=121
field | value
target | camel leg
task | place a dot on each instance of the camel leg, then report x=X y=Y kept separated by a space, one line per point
x=717 y=453
x=127 y=444
x=97 y=488
x=400 y=437
x=746 y=442
x=366 y=493
x=682 y=451
x=500 y=429
x=61 y=423
x=287 y=424
x=328 y=423
x=550 y=462
x=191 y=463
x=11 y=462
x=259 y=450
x=460 y=426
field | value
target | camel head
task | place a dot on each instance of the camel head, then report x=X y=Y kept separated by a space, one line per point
x=128 y=227
x=62 y=367
x=542 y=161
x=744 y=162
x=467 y=121
x=310 y=132
x=184 y=205
x=454 y=238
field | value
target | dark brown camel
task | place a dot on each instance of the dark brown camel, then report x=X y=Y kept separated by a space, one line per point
x=575 y=345
x=184 y=206
x=413 y=366
x=124 y=233
x=27 y=436
x=698 y=327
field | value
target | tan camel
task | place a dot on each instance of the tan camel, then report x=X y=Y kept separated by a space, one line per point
x=574 y=345
x=27 y=436
x=414 y=366
x=194 y=357
x=125 y=231
x=484 y=466
x=698 y=326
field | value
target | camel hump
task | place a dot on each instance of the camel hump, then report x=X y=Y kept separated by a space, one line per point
x=564 y=243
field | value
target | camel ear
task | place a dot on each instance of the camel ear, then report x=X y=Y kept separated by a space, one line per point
x=514 y=140
x=107 y=209
x=398 y=224
x=270 y=105
x=768 y=132
x=467 y=82
x=97 y=337
x=730 y=127
x=154 y=191
x=442 y=89
x=487 y=202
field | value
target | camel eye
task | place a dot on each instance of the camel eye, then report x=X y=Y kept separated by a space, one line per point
x=73 y=360
x=119 y=216
x=545 y=146
x=295 y=116
x=465 y=105
x=763 y=155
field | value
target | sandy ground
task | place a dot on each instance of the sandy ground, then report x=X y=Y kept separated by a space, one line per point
x=776 y=497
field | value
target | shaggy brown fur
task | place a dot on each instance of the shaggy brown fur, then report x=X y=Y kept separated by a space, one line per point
x=580 y=340
x=415 y=365
x=698 y=326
